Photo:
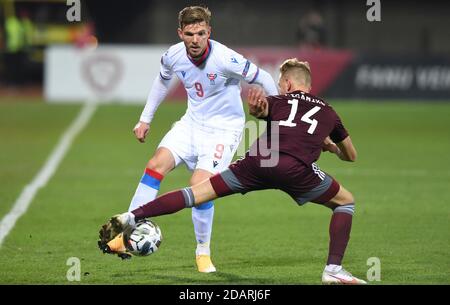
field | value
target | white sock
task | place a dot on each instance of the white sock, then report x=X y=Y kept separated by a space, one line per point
x=203 y=249
x=203 y=220
x=147 y=189
x=129 y=219
x=143 y=195
x=333 y=268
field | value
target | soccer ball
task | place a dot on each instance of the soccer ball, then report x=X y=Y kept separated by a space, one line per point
x=144 y=239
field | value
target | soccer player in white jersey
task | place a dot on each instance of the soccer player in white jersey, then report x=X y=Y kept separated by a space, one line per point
x=207 y=136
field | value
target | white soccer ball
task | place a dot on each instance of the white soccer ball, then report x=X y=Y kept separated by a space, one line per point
x=144 y=239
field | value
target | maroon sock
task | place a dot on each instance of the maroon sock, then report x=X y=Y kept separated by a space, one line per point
x=166 y=204
x=340 y=226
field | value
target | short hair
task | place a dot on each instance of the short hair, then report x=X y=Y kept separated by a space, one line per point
x=296 y=70
x=193 y=14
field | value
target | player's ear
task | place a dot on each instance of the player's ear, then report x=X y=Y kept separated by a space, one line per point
x=180 y=33
x=209 y=31
x=289 y=85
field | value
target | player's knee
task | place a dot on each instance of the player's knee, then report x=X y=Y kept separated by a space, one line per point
x=198 y=178
x=152 y=164
x=156 y=166
x=344 y=197
x=194 y=181
x=349 y=198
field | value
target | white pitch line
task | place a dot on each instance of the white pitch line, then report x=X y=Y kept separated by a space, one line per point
x=43 y=176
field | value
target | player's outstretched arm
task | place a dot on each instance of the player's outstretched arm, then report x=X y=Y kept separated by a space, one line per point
x=347 y=150
x=258 y=105
x=157 y=94
x=265 y=80
x=344 y=150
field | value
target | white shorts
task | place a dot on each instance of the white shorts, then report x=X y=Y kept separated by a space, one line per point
x=200 y=147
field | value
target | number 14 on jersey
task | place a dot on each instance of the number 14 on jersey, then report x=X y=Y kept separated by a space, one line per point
x=305 y=118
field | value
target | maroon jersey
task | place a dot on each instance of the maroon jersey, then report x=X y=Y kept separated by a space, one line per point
x=304 y=121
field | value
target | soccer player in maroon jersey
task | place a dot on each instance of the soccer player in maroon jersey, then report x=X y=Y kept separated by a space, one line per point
x=306 y=125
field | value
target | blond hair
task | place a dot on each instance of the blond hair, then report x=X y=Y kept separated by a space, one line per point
x=193 y=14
x=298 y=71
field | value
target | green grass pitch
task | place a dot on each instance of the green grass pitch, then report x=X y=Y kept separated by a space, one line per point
x=400 y=181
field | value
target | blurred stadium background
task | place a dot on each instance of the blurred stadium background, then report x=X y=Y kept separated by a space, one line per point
x=389 y=80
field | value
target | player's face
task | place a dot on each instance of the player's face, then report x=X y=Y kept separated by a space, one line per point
x=195 y=37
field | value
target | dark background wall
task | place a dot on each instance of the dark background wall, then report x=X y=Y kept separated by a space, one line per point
x=406 y=26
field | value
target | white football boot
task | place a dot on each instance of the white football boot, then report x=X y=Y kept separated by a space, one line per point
x=339 y=276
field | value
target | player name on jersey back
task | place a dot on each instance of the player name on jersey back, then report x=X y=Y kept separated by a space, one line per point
x=307 y=98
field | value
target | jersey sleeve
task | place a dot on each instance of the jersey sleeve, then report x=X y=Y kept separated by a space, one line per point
x=339 y=133
x=165 y=71
x=240 y=67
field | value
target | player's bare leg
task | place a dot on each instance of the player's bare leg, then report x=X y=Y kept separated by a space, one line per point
x=202 y=218
x=203 y=192
x=340 y=226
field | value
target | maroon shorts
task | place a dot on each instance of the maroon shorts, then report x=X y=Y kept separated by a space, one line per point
x=303 y=183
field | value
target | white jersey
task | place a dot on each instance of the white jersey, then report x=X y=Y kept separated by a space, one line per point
x=212 y=84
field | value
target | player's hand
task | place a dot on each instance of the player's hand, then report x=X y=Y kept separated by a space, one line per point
x=257 y=102
x=141 y=130
x=329 y=145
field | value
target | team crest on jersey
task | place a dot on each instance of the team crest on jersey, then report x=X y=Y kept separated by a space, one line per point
x=212 y=77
